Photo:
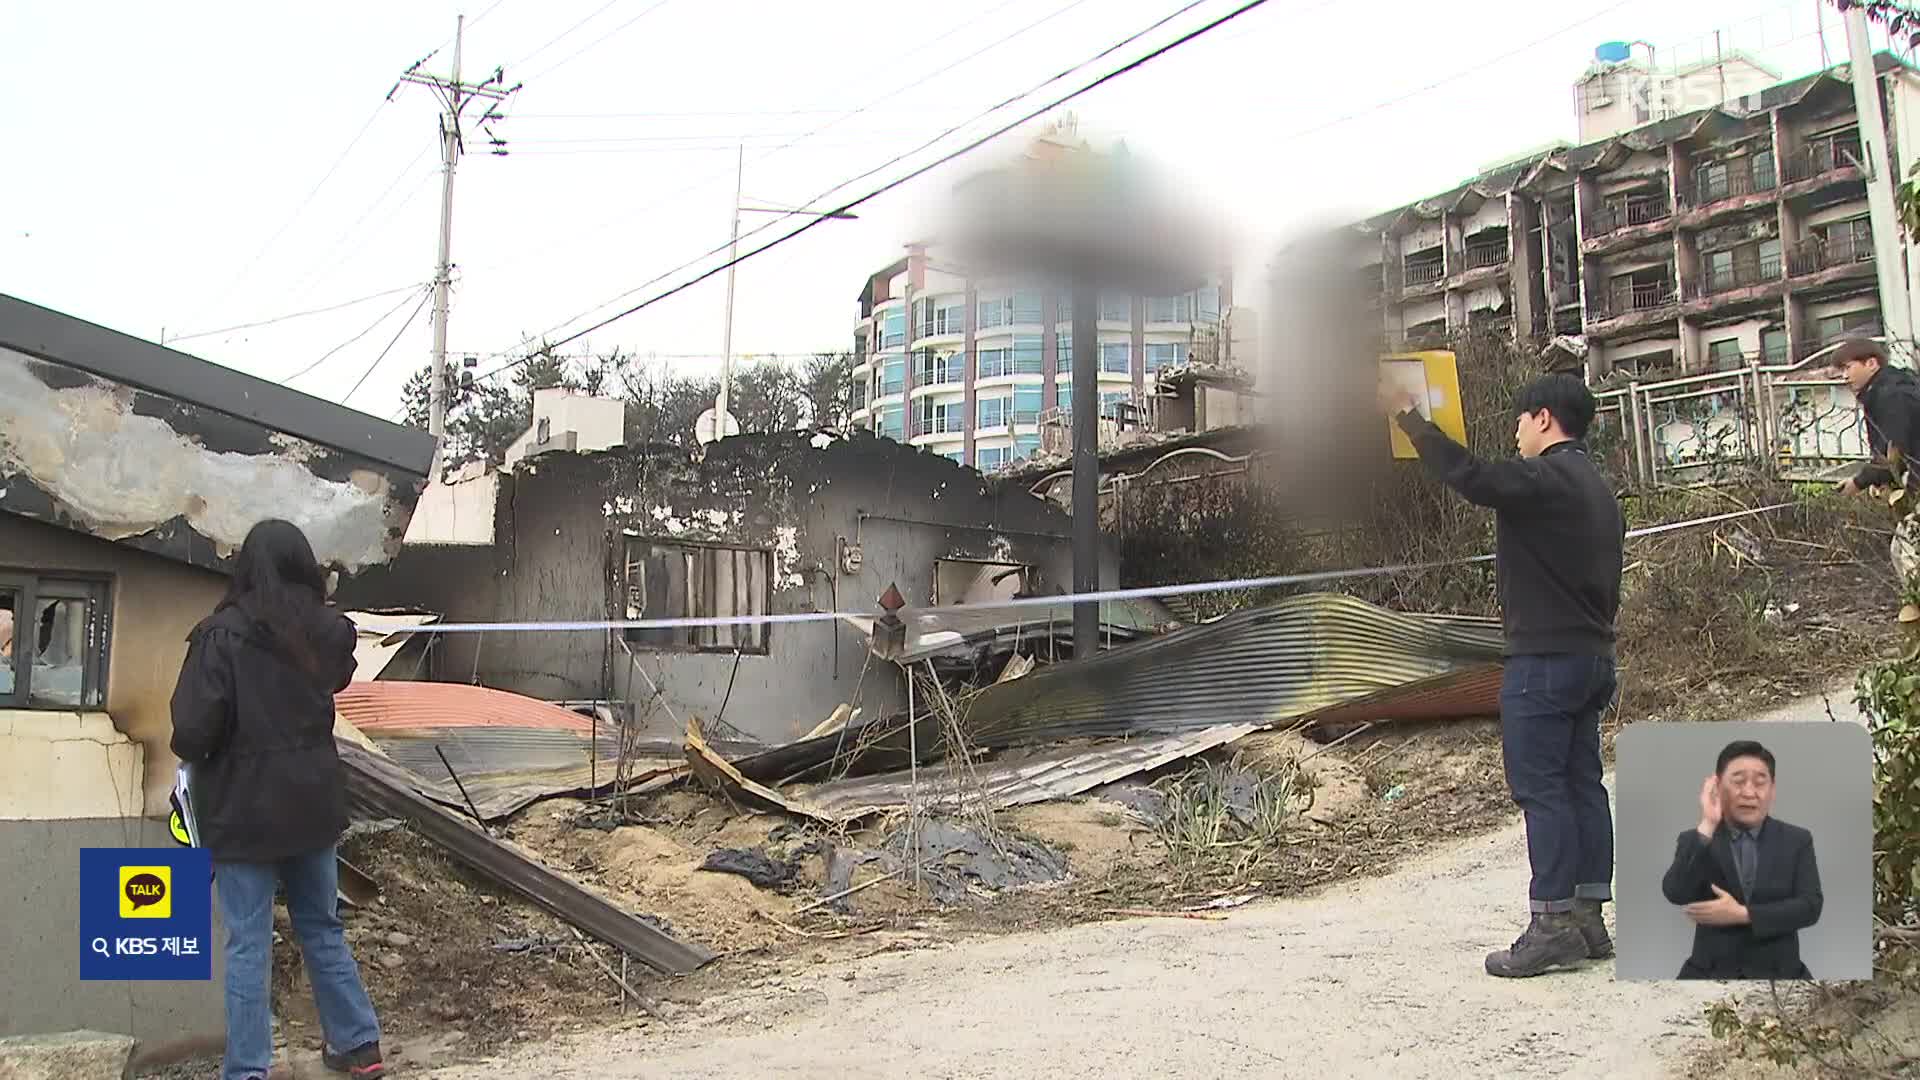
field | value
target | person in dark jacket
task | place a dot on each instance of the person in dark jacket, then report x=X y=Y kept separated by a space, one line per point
x=1890 y=397
x=253 y=720
x=1559 y=536
x=1747 y=879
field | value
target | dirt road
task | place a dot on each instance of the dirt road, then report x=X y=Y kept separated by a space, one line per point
x=1376 y=978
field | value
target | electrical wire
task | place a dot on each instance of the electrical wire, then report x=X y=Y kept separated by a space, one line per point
x=896 y=159
x=304 y=203
x=292 y=315
x=874 y=103
x=383 y=352
x=597 y=42
x=1131 y=66
x=562 y=34
x=1456 y=76
x=328 y=260
x=370 y=328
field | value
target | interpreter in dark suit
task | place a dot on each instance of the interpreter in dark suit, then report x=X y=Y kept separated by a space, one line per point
x=1747 y=879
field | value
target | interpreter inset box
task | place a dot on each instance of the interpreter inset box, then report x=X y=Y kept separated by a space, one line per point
x=1744 y=850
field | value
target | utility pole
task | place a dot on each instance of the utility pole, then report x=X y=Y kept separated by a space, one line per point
x=717 y=423
x=454 y=97
x=733 y=253
x=1896 y=311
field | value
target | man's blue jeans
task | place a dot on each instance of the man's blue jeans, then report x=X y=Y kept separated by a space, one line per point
x=1550 y=710
x=246 y=905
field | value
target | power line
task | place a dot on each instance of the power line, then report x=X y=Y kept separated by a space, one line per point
x=597 y=42
x=1458 y=75
x=1130 y=39
x=320 y=266
x=491 y=8
x=370 y=328
x=293 y=315
x=304 y=203
x=383 y=352
x=557 y=37
x=704 y=181
x=1131 y=66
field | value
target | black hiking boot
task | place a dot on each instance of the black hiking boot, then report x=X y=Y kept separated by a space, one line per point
x=362 y=1063
x=1551 y=940
x=1593 y=928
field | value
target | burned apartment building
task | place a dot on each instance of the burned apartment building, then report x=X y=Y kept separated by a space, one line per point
x=1714 y=238
x=129 y=475
x=782 y=524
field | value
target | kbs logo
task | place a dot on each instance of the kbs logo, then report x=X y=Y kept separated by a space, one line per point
x=146 y=892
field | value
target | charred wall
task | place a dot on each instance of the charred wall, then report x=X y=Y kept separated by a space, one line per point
x=566 y=518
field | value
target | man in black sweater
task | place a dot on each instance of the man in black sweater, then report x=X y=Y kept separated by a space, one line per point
x=1559 y=533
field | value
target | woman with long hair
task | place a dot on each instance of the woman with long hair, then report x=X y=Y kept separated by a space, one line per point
x=253 y=720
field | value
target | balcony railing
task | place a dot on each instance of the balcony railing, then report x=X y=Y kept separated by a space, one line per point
x=1740 y=275
x=1814 y=255
x=1643 y=211
x=1566 y=322
x=1481 y=256
x=940 y=423
x=1808 y=348
x=1424 y=273
x=1823 y=157
x=1647 y=297
x=1740 y=178
x=1565 y=295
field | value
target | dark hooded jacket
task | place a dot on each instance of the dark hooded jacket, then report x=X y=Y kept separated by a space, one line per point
x=1892 y=404
x=257 y=731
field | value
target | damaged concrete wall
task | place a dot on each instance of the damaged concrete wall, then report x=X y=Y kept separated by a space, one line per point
x=179 y=479
x=565 y=518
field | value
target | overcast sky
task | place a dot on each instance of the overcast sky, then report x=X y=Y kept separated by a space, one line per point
x=165 y=163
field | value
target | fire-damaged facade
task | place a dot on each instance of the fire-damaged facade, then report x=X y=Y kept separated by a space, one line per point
x=777 y=524
x=129 y=475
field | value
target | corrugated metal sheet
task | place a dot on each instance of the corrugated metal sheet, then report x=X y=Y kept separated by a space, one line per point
x=1017 y=779
x=376 y=706
x=507 y=750
x=1271 y=664
x=378 y=788
x=1472 y=692
x=1253 y=667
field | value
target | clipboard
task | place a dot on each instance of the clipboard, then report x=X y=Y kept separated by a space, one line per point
x=1433 y=377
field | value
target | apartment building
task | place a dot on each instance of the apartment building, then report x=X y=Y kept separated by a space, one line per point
x=1702 y=241
x=970 y=369
x=973 y=367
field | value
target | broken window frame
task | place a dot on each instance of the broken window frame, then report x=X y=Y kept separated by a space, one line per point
x=29 y=589
x=747 y=639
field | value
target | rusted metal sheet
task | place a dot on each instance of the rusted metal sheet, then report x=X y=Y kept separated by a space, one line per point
x=508 y=751
x=1254 y=667
x=379 y=788
x=1472 y=692
x=131 y=442
x=1017 y=779
x=1262 y=666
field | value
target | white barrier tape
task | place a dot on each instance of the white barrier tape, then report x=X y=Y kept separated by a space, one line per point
x=1058 y=600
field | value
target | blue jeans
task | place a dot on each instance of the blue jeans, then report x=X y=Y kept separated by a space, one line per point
x=246 y=905
x=1550 y=710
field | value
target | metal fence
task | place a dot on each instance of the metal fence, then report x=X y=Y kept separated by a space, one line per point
x=1791 y=419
